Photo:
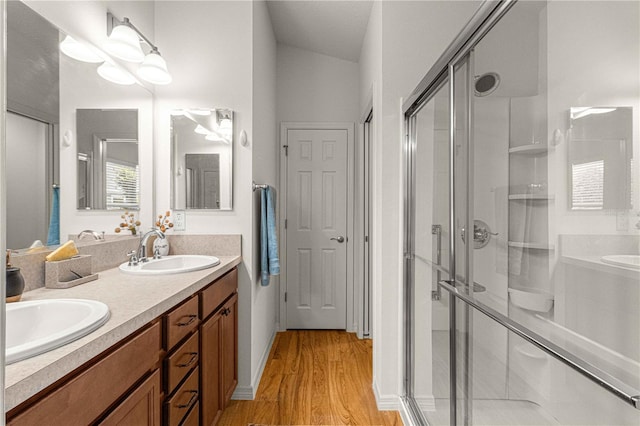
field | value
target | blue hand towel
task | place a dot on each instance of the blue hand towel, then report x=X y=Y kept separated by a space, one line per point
x=269 y=262
x=53 y=238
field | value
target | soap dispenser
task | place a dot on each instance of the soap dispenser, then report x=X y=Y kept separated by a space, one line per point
x=15 y=282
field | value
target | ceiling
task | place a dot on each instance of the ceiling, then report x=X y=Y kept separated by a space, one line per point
x=331 y=27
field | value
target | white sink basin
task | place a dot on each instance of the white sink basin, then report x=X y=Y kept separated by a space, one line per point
x=171 y=265
x=39 y=326
x=626 y=260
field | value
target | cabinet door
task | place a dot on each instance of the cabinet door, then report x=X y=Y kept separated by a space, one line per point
x=229 y=348
x=211 y=401
x=142 y=406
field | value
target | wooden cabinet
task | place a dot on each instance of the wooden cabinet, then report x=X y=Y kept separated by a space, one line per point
x=218 y=347
x=86 y=396
x=229 y=348
x=180 y=369
x=142 y=406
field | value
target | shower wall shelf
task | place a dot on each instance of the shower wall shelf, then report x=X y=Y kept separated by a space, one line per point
x=531 y=149
x=532 y=197
x=531 y=299
x=533 y=246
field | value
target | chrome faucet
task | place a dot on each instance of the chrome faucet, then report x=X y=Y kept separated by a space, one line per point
x=96 y=235
x=142 y=248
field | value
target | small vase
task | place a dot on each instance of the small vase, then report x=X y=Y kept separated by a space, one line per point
x=162 y=245
x=15 y=284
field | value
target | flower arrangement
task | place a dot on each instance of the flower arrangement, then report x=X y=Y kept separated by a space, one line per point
x=129 y=223
x=164 y=223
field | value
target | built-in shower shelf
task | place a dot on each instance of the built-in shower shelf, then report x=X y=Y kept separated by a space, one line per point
x=531 y=149
x=533 y=246
x=532 y=299
x=532 y=197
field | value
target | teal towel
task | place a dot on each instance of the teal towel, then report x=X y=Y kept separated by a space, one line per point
x=53 y=238
x=269 y=260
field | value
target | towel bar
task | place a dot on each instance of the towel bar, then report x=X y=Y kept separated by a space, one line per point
x=259 y=186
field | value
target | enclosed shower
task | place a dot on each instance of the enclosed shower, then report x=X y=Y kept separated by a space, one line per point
x=522 y=220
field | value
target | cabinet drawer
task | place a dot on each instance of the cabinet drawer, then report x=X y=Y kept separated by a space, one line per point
x=85 y=397
x=180 y=322
x=185 y=397
x=193 y=418
x=142 y=406
x=213 y=296
x=183 y=360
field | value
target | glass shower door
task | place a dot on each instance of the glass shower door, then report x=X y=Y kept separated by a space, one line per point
x=428 y=257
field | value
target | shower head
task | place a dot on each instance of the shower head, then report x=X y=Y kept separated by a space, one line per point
x=485 y=84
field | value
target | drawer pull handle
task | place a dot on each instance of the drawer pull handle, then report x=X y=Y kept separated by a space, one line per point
x=194 y=396
x=226 y=311
x=194 y=357
x=191 y=319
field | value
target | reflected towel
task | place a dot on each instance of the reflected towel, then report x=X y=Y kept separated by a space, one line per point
x=53 y=238
x=269 y=261
x=520 y=224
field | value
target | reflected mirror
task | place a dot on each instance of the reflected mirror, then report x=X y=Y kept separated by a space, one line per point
x=45 y=90
x=600 y=155
x=201 y=159
x=107 y=149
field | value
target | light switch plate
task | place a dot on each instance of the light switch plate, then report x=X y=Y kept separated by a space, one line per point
x=179 y=220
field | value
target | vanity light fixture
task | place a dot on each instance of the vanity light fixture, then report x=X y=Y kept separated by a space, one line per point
x=79 y=51
x=124 y=43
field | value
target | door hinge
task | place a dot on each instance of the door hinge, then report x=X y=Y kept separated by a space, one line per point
x=285 y=297
x=285 y=224
x=286 y=150
x=366 y=238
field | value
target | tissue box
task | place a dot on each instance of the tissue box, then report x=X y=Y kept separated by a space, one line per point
x=68 y=273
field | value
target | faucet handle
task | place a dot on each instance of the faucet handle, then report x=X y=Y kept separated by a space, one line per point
x=133 y=259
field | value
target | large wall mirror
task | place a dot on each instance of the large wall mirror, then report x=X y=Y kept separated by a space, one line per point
x=53 y=102
x=202 y=159
x=600 y=156
x=108 y=169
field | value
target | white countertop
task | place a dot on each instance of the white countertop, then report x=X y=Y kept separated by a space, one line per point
x=133 y=302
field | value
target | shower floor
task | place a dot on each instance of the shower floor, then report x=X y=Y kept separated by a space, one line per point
x=489 y=408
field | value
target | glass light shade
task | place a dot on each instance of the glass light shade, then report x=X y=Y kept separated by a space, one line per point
x=79 y=51
x=123 y=43
x=154 y=69
x=115 y=74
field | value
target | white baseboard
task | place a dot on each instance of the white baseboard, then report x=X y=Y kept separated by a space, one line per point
x=385 y=402
x=248 y=393
x=426 y=403
x=404 y=415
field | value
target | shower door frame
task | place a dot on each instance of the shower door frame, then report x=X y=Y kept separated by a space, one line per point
x=459 y=51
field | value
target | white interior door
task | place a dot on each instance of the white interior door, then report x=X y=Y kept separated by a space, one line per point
x=316 y=228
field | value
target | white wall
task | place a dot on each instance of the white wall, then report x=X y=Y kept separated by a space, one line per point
x=412 y=36
x=314 y=87
x=265 y=160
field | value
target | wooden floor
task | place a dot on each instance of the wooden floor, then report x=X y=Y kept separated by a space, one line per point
x=314 y=378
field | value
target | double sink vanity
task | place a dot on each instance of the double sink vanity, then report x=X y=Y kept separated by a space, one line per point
x=151 y=344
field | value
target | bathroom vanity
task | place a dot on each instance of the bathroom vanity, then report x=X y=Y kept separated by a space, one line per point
x=167 y=356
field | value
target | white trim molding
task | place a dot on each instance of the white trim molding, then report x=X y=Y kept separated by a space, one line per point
x=248 y=393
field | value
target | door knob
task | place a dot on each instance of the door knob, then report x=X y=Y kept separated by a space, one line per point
x=340 y=239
